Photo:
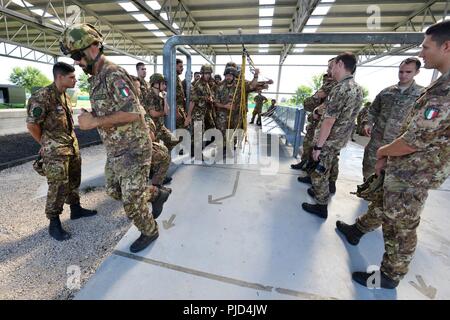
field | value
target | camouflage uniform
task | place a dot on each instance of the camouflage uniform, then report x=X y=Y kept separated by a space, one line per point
x=259 y=101
x=52 y=111
x=409 y=177
x=342 y=104
x=386 y=116
x=361 y=120
x=309 y=105
x=181 y=104
x=160 y=156
x=152 y=101
x=224 y=95
x=128 y=147
x=144 y=87
x=200 y=95
x=210 y=116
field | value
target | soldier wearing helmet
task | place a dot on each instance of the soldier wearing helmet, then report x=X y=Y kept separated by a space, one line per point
x=201 y=99
x=119 y=119
x=155 y=105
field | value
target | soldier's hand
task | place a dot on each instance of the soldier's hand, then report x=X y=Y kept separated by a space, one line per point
x=316 y=154
x=87 y=121
x=187 y=121
x=256 y=71
x=270 y=81
x=379 y=166
x=367 y=130
x=321 y=94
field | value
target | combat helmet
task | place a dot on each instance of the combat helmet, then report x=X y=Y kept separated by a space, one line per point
x=206 y=68
x=230 y=70
x=157 y=78
x=78 y=37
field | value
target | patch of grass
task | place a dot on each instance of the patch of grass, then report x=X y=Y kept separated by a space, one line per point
x=12 y=106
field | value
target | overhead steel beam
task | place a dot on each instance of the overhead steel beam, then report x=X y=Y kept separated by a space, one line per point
x=186 y=24
x=371 y=52
x=301 y=16
x=169 y=54
x=121 y=43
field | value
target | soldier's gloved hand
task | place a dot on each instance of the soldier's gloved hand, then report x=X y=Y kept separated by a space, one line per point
x=380 y=165
x=316 y=155
x=87 y=121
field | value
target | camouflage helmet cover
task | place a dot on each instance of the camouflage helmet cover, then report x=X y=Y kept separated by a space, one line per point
x=372 y=188
x=231 y=64
x=206 y=68
x=157 y=78
x=230 y=70
x=79 y=37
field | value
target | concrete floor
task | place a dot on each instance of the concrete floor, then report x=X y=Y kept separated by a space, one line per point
x=260 y=244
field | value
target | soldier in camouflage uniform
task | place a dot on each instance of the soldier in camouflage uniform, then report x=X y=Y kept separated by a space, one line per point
x=334 y=130
x=361 y=119
x=160 y=154
x=180 y=97
x=418 y=160
x=144 y=86
x=259 y=101
x=201 y=99
x=389 y=110
x=50 y=123
x=119 y=118
x=314 y=105
x=155 y=105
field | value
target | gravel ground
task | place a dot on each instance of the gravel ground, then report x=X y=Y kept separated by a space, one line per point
x=33 y=265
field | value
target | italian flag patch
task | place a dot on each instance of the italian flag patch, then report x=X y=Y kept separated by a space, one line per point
x=124 y=92
x=431 y=113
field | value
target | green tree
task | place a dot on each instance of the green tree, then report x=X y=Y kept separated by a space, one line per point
x=365 y=95
x=83 y=83
x=28 y=78
x=317 y=81
x=301 y=94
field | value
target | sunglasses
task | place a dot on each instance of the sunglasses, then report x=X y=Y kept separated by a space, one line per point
x=77 y=55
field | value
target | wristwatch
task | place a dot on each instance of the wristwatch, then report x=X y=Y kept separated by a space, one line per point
x=317 y=148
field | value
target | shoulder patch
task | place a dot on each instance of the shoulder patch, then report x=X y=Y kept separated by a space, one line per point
x=36 y=111
x=431 y=113
x=123 y=88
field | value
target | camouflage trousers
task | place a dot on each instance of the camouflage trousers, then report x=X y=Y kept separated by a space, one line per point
x=321 y=177
x=210 y=122
x=256 y=112
x=160 y=162
x=308 y=141
x=180 y=120
x=63 y=177
x=398 y=213
x=370 y=157
x=126 y=180
x=167 y=137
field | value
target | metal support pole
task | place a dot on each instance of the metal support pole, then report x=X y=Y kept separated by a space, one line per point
x=155 y=64
x=278 y=81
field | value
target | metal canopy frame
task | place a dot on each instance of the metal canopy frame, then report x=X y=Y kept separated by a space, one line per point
x=169 y=51
x=33 y=29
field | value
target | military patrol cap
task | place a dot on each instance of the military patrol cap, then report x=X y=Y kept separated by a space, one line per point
x=78 y=37
x=371 y=188
x=38 y=166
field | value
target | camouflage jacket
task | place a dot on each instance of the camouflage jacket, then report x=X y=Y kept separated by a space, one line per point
x=112 y=91
x=259 y=101
x=52 y=111
x=145 y=87
x=200 y=95
x=427 y=129
x=389 y=110
x=343 y=104
x=313 y=102
x=153 y=102
x=181 y=98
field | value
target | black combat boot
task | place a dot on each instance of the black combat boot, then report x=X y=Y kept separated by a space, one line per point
x=56 y=231
x=77 y=212
x=157 y=205
x=332 y=186
x=320 y=210
x=351 y=232
x=167 y=180
x=298 y=166
x=306 y=179
x=143 y=242
x=169 y=190
x=385 y=281
x=311 y=192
